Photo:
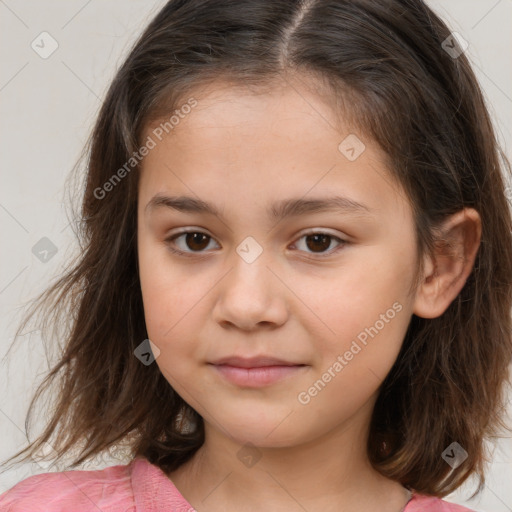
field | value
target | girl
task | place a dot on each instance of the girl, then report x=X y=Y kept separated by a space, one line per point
x=245 y=367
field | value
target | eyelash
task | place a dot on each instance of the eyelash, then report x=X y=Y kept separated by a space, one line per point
x=200 y=254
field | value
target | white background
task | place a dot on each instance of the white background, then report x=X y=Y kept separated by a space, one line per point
x=47 y=110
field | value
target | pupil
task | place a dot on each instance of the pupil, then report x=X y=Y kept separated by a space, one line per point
x=323 y=238
x=193 y=238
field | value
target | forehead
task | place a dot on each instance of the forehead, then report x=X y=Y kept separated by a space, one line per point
x=282 y=106
x=276 y=143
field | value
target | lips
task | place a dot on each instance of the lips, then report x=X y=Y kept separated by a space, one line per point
x=254 y=372
x=254 y=362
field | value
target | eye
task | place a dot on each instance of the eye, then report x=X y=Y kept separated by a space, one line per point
x=318 y=241
x=195 y=240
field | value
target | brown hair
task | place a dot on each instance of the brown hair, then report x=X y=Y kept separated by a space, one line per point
x=420 y=103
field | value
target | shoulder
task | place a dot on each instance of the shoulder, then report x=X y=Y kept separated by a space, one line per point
x=423 y=503
x=107 y=489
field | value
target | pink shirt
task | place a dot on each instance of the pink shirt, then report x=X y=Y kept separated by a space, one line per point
x=135 y=487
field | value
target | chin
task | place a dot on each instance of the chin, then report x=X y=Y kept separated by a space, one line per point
x=261 y=428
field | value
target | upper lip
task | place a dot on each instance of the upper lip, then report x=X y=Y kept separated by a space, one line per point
x=254 y=362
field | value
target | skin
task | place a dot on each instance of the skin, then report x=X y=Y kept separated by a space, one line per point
x=243 y=151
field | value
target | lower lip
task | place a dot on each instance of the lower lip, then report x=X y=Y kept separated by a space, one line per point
x=256 y=377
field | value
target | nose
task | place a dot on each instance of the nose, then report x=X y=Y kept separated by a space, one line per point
x=251 y=296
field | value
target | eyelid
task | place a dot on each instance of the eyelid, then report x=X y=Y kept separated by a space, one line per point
x=316 y=231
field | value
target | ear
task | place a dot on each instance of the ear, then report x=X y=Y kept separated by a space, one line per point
x=445 y=276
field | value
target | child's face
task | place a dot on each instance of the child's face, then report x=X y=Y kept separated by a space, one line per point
x=304 y=300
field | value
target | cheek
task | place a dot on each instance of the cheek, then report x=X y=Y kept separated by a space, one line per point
x=168 y=290
x=362 y=314
x=351 y=298
x=351 y=369
x=174 y=309
x=170 y=318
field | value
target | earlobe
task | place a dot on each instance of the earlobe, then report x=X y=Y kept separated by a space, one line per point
x=445 y=275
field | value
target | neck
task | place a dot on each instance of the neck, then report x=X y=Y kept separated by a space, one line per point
x=328 y=473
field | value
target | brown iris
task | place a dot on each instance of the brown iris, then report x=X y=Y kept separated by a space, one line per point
x=191 y=239
x=319 y=241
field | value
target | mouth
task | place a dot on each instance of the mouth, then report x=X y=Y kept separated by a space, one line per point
x=256 y=371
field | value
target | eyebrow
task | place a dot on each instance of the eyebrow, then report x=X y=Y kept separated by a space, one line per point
x=277 y=211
